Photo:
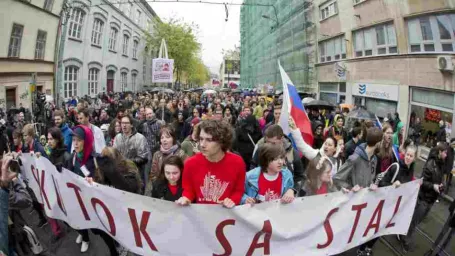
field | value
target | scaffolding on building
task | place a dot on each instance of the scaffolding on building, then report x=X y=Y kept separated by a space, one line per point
x=283 y=31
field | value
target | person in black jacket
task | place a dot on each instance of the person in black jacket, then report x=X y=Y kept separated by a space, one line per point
x=58 y=157
x=349 y=148
x=168 y=185
x=247 y=134
x=432 y=186
x=449 y=165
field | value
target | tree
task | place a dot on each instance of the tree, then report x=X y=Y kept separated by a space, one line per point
x=198 y=73
x=231 y=54
x=181 y=42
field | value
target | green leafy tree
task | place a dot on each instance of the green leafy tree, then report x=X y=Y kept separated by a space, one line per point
x=181 y=42
x=198 y=74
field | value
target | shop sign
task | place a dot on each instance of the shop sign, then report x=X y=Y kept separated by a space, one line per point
x=378 y=91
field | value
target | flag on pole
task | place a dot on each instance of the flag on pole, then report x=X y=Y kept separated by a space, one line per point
x=292 y=106
x=394 y=148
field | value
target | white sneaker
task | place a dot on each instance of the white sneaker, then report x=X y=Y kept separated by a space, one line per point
x=84 y=246
x=79 y=239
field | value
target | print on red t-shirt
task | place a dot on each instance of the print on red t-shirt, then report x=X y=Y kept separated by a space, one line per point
x=210 y=183
x=269 y=190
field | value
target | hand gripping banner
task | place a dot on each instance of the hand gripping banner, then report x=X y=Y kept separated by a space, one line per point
x=317 y=225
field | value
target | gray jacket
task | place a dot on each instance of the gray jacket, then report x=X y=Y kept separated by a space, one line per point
x=357 y=170
x=133 y=147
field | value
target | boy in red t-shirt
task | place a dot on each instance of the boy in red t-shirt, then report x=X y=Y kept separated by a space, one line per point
x=213 y=176
x=271 y=180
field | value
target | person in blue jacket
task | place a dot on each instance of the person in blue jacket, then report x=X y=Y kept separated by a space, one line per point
x=59 y=119
x=271 y=180
x=31 y=144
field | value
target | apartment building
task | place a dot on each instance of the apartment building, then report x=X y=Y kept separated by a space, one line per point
x=229 y=72
x=389 y=56
x=28 y=37
x=105 y=49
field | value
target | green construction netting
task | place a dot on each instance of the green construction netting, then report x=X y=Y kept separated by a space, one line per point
x=263 y=40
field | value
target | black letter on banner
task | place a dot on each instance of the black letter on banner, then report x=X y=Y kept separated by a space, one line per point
x=141 y=230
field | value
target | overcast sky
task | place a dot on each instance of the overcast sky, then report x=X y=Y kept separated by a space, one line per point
x=215 y=33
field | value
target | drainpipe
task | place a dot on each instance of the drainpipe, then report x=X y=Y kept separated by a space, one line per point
x=62 y=31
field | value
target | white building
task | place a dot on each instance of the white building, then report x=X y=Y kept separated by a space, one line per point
x=229 y=72
x=105 y=47
x=27 y=46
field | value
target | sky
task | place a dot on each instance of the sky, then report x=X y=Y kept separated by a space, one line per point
x=215 y=34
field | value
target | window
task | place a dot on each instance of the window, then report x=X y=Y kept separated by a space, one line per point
x=135 y=45
x=97 y=31
x=435 y=33
x=76 y=23
x=40 y=45
x=48 y=5
x=127 y=9
x=144 y=64
x=332 y=49
x=125 y=45
x=70 y=81
x=377 y=40
x=328 y=10
x=133 y=82
x=93 y=75
x=113 y=38
x=358 y=1
x=15 y=41
x=123 y=81
x=138 y=17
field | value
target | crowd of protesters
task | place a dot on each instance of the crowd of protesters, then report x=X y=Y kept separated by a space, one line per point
x=224 y=148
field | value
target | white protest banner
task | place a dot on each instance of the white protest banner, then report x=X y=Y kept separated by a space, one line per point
x=317 y=225
x=162 y=70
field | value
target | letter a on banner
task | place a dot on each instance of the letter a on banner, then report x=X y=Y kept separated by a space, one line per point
x=163 y=67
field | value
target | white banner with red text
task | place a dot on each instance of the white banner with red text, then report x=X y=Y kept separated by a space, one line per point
x=316 y=225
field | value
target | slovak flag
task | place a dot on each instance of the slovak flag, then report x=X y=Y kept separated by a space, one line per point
x=292 y=106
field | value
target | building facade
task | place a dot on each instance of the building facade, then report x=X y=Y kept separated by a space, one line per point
x=27 y=49
x=277 y=30
x=229 y=72
x=105 y=49
x=389 y=56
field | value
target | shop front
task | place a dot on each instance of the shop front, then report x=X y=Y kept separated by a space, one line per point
x=430 y=107
x=379 y=99
x=334 y=93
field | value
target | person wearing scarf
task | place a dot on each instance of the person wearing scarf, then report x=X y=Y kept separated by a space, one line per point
x=191 y=145
x=82 y=164
x=169 y=147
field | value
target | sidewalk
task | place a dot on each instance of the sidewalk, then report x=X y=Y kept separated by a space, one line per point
x=65 y=245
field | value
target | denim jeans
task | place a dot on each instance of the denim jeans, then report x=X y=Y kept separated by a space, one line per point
x=4 y=196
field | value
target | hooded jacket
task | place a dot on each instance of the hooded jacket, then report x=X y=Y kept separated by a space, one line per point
x=433 y=172
x=405 y=174
x=67 y=139
x=357 y=170
x=123 y=174
x=75 y=163
x=293 y=162
x=242 y=143
x=252 y=183
x=133 y=147
x=59 y=157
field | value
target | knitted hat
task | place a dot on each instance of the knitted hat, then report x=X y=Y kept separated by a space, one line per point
x=195 y=121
